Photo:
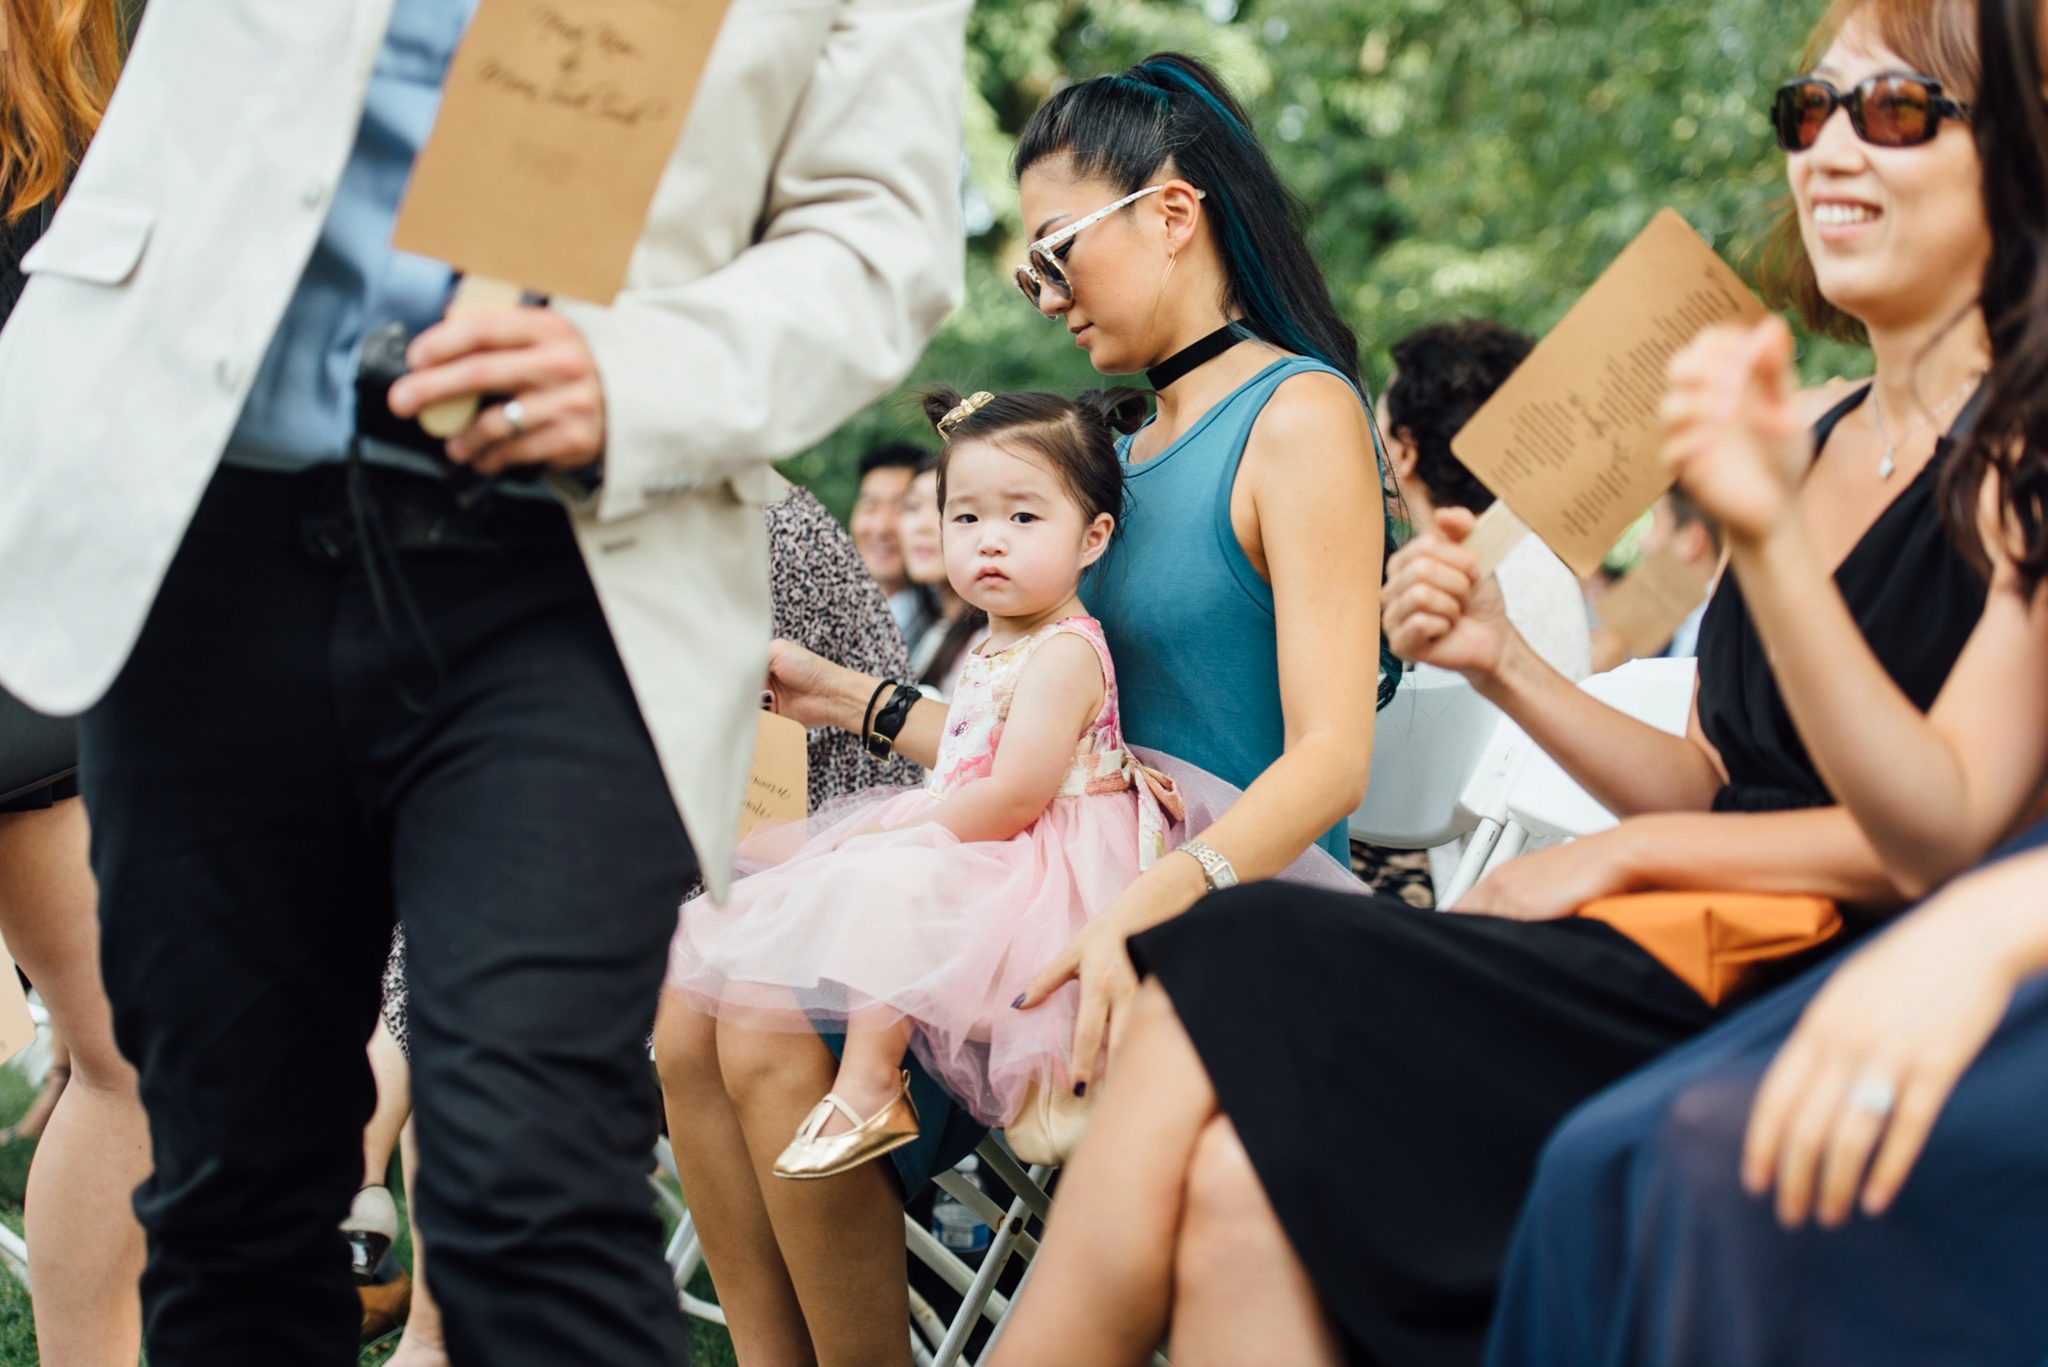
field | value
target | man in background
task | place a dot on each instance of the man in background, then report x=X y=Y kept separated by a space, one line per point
x=1679 y=523
x=885 y=475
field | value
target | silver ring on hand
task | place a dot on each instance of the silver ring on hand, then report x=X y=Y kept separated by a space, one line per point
x=515 y=417
x=1874 y=1096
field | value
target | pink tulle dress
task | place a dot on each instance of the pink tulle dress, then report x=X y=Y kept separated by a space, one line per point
x=877 y=907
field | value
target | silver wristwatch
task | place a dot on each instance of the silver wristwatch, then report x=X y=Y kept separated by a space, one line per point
x=1216 y=870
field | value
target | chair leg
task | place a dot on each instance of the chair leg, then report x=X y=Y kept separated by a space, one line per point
x=1470 y=864
x=1512 y=838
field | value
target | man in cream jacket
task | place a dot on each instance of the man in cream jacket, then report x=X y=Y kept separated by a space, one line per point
x=326 y=681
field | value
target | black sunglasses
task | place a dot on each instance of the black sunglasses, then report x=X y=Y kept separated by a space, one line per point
x=1897 y=110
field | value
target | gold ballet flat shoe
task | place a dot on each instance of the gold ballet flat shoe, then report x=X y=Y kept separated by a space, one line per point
x=812 y=1155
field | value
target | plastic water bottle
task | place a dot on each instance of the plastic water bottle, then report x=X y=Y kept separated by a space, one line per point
x=959 y=1229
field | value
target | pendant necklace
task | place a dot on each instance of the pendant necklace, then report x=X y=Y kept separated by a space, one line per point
x=1887 y=463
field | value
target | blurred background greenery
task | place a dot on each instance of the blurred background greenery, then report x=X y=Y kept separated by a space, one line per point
x=1454 y=158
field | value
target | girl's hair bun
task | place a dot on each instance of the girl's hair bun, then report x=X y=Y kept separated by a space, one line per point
x=938 y=400
x=1121 y=409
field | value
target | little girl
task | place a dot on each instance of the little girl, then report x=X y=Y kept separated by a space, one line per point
x=916 y=919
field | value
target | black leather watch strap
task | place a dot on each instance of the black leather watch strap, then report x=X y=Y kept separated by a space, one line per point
x=880 y=740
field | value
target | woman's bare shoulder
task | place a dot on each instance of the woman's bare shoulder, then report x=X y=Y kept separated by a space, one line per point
x=1310 y=410
x=1814 y=403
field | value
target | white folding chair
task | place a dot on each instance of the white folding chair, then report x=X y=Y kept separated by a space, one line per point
x=1426 y=745
x=1531 y=792
x=1483 y=802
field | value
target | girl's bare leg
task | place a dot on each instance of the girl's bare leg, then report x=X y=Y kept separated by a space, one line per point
x=1101 y=1290
x=723 y=1189
x=85 y=1247
x=394 y=1106
x=1240 y=1293
x=870 y=1065
x=420 y=1345
x=841 y=1237
x=37 y=1116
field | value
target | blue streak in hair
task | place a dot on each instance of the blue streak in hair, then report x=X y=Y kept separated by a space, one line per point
x=1200 y=92
x=1265 y=303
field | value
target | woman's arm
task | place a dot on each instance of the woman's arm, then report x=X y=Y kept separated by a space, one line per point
x=811 y=689
x=1874 y=1059
x=1317 y=536
x=1934 y=791
x=1439 y=612
x=1822 y=851
x=1316 y=508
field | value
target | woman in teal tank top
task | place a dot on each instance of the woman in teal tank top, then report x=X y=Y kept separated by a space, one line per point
x=1242 y=605
x=1189 y=619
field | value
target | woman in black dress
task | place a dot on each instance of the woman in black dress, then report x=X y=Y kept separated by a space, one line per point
x=57 y=64
x=1326 y=1115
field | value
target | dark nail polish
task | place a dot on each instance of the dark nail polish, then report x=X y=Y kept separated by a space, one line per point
x=1080 y=1089
x=1018 y=1005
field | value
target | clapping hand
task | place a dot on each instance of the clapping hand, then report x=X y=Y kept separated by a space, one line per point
x=1873 y=1061
x=1734 y=433
x=1436 y=608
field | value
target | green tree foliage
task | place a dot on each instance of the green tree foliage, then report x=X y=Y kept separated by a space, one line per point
x=1453 y=158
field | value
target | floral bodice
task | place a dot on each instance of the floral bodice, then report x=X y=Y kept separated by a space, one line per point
x=1100 y=764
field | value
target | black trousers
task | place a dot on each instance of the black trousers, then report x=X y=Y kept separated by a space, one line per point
x=264 y=802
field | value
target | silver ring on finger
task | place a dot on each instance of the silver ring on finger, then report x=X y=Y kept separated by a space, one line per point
x=515 y=417
x=1874 y=1095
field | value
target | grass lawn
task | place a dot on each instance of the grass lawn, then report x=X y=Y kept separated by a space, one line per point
x=17 y=1321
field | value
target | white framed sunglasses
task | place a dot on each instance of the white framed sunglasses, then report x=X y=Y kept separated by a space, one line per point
x=1042 y=270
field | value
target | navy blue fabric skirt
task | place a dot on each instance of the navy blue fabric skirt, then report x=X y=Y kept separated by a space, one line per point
x=1639 y=1245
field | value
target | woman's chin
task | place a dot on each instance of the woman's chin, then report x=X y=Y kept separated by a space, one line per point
x=1108 y=360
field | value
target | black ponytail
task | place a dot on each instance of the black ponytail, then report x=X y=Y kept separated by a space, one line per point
x=1172 y=108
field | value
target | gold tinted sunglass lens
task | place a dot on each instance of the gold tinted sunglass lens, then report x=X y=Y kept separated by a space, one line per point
x=1896 y=113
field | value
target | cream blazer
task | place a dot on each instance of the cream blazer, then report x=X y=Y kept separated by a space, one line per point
x=804 y=244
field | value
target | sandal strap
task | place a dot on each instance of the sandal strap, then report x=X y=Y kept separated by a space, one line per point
x=838 y=1103
x=815 y=1122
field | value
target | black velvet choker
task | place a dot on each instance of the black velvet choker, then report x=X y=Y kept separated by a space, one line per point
x=1192 y=355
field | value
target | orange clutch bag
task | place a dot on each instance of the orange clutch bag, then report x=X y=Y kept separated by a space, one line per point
x=1713 y=940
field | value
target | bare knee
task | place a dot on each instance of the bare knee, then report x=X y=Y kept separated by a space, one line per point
x=1225 y=1214
x=98 y=1066
x=685 y=1047
x=755 y=1063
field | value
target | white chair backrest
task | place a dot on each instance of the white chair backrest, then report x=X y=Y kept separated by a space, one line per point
x=1426 y=744
x=1545 y=801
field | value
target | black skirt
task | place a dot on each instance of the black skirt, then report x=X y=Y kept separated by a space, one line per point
x=43 y=798
x=1394 y=1073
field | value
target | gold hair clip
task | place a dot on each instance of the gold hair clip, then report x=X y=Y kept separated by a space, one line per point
x=964 y=410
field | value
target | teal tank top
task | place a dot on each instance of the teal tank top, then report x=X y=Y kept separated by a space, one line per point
x=1188 y=620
